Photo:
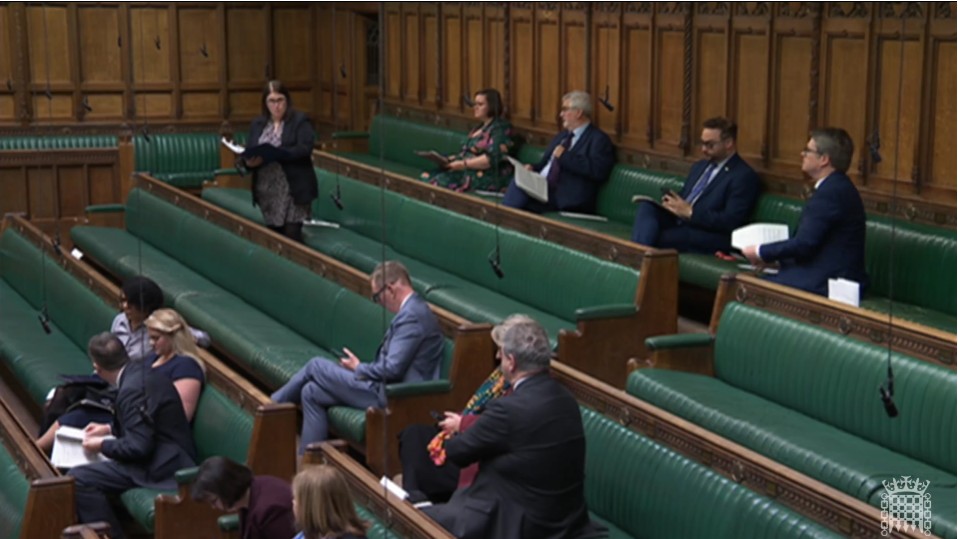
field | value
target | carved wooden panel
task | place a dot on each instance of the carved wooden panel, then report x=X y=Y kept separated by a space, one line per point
x=246 y=44
x=98 y=28
x=152 y=46
x=523 y=64
x=670 y=45
x=790 y=117
x=575 y=43
x=548 y=81
x=943 y=115
x=607 y=71
x=898 y=97
x=293 y=47
x=411 y=56
x=749 y=93
x=637 y=77
x=199 y=50
x=394 y=53
x=474 y=53
x=844 y=95
x=711 y=74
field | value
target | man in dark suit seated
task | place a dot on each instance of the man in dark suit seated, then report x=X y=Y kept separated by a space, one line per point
x=153 y=438
x=718 y=197
x=577 y=161
x=530 y=447
x=411 y=351
x=830 y=239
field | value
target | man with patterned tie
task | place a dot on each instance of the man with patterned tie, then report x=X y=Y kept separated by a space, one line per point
x=411 y=351
x=718 y=197
x=575 y=163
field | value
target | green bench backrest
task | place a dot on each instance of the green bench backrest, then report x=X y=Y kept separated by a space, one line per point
x=74 y=308
x=614 y=199
x=545 y=275
x=778 y=209
x=316 y=308
x=835 y=379
x=364 y=205
x=58 y=142
x=530 y=154
x=398 y=140
x=177 y=152
x=923 y=272
x=651 y=491
x=221 y=427
x=14 y=490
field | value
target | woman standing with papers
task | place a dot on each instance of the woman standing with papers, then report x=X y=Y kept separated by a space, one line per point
x=284 y=187
x=481 y=164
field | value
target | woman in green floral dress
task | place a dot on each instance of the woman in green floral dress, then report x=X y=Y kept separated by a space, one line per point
x=481 y=165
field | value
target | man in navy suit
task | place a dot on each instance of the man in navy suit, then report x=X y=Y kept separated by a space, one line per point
x=411 y=351
x=530 y=446
x=830 y=239
x=718 y=197
x=576 y=162
x=152 y=441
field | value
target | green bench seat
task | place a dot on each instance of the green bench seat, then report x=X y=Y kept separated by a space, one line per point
x=639 y=488
x=267 y=312
x=447 y=256
x=59 y=142
x=185 y=160
x=14 y=489
x=807 y=398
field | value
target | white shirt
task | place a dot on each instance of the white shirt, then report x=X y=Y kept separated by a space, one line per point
x=576 y=135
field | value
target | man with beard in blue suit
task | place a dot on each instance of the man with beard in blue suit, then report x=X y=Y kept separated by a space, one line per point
x=830 y=239
x=718 y=197
x=576 y=162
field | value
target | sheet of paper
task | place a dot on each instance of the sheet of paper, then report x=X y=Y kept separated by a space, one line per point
x=393 y=488
x=68 y=449
x=642 y=198
x=844 y=291
x=585 y=216
x=235 y=148
x=533 y=183
x=758 y=234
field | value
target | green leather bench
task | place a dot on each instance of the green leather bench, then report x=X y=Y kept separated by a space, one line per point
x=268 y=313
x=185 y=160
x=808 y=398
x=14 y=489
x=639 y=488
x=447 y=256
x=58 y=142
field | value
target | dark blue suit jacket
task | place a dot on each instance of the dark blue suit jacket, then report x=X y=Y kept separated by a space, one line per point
x=724 y=205
x=412 y=348
x=829 y=242
x=584 y=167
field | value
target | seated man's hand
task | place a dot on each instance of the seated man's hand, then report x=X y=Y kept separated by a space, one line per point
x=254 y=162
x=451 y=423
x=350 y=361
x=677 y=205
x=92 y=444
x=751 y=253
x=96 y=429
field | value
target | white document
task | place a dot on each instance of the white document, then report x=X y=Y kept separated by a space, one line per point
x=533 y=183
x=393 y=488
x=844 y=291
x=235 y=148
x=320 y=222
x=586 y=216
x=766 y=270
x=758 y=234
x=68 y=449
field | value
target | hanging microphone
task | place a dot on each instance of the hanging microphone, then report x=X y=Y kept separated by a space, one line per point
x=887 y=391
x=605 y=100
x=467 y=100
x=86 y=104
x=44 y=318
x=873 y=146
x=342 y=70
x=337 y=196
x=146 y=134
x=496 y=263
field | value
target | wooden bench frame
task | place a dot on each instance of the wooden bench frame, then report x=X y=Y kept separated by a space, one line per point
x=400 y=514
x=797 y=491
x=613 y=339
x=51 y=499
x=272 y=449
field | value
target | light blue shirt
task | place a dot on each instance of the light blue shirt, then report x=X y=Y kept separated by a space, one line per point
x=576 y=135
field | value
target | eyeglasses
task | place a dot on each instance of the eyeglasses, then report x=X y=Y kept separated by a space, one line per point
x=807 y=151
x=709 y=144
x=276 y=100
x=378 y=295
x=566 y=109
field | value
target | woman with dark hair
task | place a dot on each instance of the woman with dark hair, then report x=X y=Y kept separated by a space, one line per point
x=323 y=507
x=264 y=502
x=481 y=165
x=139 y=297
x=283 y=189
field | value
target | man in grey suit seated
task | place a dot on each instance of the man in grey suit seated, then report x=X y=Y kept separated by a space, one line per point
x=411 y=351
x=153 y=438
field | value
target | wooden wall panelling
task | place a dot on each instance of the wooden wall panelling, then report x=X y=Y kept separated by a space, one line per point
x=711 y=66
x=293 y=63
x=938 y=140
x=50 y=63
x=670 y=77
x=247 y=58
x=844 y=68
x=575 y=33
x=496 y=71
x=101 y=73
x=789 y=118
x=454 y=58
x=323 y=95
x=524 y=68
x=437 y=65
x=638 y=76
x=896 y=49
x=475 y=44
x=748 y=94
x=14 y=195
x=606 y=31
x=394 y=52
x=7 y=76
x=547 y=82
x=412 y=66
x=153 y=68
x=196 y=91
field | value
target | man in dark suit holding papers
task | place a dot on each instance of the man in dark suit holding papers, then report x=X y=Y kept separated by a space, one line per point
x=718 y=197
x=576 y=162
x=830 y=239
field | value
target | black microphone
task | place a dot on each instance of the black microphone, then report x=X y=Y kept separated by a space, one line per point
x=495 y=262
x=337 y=197
x=467 y=100
x=146 y=134
x=605 y=100
x=887 y=391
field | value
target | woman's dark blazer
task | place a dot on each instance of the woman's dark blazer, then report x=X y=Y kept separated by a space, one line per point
x=298 y=139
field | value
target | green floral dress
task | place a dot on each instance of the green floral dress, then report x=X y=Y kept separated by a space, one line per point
x=494 y=140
